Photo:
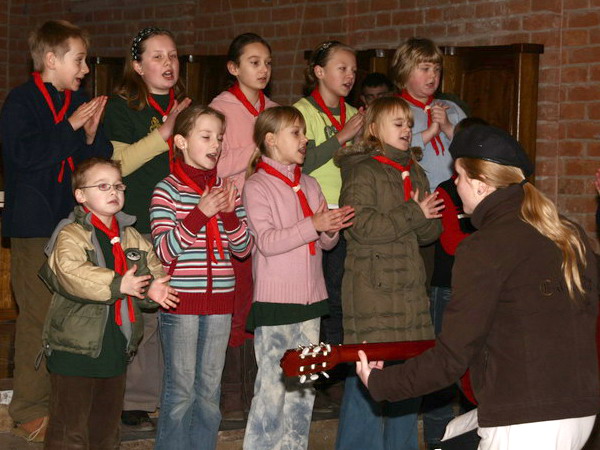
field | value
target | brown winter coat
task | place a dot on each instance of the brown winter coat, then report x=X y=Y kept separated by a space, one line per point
x=383 y=289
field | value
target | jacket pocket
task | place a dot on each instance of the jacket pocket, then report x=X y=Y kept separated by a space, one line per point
x=382 y=272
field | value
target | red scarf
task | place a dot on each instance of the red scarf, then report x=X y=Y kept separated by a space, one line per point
x=436 y=141
x=338 y=125
x=239 y=94
x=164 y=113
x=58 y=117
x=120 y=261
x=212 y=227
x=404 y=170
x=295 y=185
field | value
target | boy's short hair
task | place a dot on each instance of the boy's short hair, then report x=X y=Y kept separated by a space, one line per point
x=52 y=36
x=377 y=79
x=412 y=53
x=78 y=176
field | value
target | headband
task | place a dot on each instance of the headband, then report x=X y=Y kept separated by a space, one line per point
x=144 y=34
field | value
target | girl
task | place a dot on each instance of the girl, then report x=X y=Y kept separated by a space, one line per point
x=139 y=122
x=249 y=66
x=523 y=321
x=384 y=280
x=198 y=223
x=289 y=217
x=330 y=124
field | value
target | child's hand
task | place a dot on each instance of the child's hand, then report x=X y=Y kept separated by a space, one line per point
x=166 y=129
x=432 y=131
x=163 y=294
x=231 y=191
x=431 y=205
x=91 y=126
x=85 y=112
x=439 y=115
x=213 y=201
x=134 y=285
x=597 y=181
x=332 y=220
x=352 y=127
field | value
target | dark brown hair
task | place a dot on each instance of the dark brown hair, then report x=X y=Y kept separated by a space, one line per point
x=53 y=36
x=187 y=119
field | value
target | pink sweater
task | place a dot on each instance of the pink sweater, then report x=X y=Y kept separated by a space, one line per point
x=238 y=145
x=284 y=270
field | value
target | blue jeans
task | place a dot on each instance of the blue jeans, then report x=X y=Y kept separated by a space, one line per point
x=194 y=353
x=367 y=424
x=281 y=409
x=437 y=406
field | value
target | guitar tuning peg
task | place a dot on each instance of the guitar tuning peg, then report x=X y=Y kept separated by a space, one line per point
x=302 y=379
x=314 y=377
x=325 y=374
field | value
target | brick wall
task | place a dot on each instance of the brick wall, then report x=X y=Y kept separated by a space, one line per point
x=569 y=96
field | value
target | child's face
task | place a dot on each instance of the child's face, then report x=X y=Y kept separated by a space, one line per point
x=338 y=75
x=202 y=147
x=70 y=69
x=254 y=69
x=159 y=65
x=371 y=93
x=466 y=188
x=104 y=204
x=424 y=80
x=394 y=130
x=288 y=145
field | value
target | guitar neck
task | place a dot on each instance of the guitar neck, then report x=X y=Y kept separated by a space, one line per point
x=383 y=351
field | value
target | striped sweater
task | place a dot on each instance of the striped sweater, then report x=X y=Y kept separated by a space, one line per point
x=179 y=237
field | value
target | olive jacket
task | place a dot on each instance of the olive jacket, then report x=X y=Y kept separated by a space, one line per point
x=84 y=288
x=383 y=289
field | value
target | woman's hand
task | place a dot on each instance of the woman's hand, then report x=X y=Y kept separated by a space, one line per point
x=364 y=367
x=332 y=220
x=166 y=129
x=351 y=128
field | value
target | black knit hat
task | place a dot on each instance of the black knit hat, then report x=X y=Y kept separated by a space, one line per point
x=490 y=144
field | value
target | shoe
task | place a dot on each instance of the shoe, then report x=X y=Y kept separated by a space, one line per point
x=32 y=431
x=138 y=420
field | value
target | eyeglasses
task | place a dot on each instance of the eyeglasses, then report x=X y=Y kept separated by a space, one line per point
x=106 y=186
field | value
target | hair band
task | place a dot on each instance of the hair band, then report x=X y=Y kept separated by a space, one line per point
x=141 y=36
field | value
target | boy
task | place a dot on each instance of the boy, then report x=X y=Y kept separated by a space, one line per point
x=417 y=67
x=98 y=266
x=46 y=127
x=375 y=85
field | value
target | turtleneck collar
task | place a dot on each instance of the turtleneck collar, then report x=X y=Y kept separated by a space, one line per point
x=285 y=169
x=199 y=176
x=498 y=203
x=395 y=154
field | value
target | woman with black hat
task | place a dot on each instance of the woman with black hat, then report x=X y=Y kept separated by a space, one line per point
x=523 y=311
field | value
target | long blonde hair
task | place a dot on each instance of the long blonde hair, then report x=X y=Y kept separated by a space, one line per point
x=538 y=211
x=271 y=120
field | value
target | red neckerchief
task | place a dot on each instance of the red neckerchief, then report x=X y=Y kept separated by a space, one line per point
x=58 y=117
x=295 y=185
x=338 y=125
x=436 y=141
x=404 y=170
x=120 y=261
x=164 y=114
x=239 y=94
x=212 y=226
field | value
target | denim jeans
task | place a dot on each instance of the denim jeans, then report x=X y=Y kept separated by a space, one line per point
x=281 y=409
x=194 y=353
x=437 y=406
x=367 y=424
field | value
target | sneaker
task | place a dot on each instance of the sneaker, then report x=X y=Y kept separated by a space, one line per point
x=33 y=431
x=139 y=420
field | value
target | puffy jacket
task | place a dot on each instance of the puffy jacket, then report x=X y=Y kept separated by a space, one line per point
x=84 y=288
x=383 y=288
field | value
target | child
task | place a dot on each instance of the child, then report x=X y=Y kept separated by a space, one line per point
x=198 y=224
x=139 y=121
x=47 y=125
x=289 y=217
x=416 y=68
x=384 y=280
x=330 y=124
x=249 y=65
x=98 y=266
x=375 y=85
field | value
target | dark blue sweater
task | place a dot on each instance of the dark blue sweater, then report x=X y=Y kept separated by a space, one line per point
x=33 y=148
